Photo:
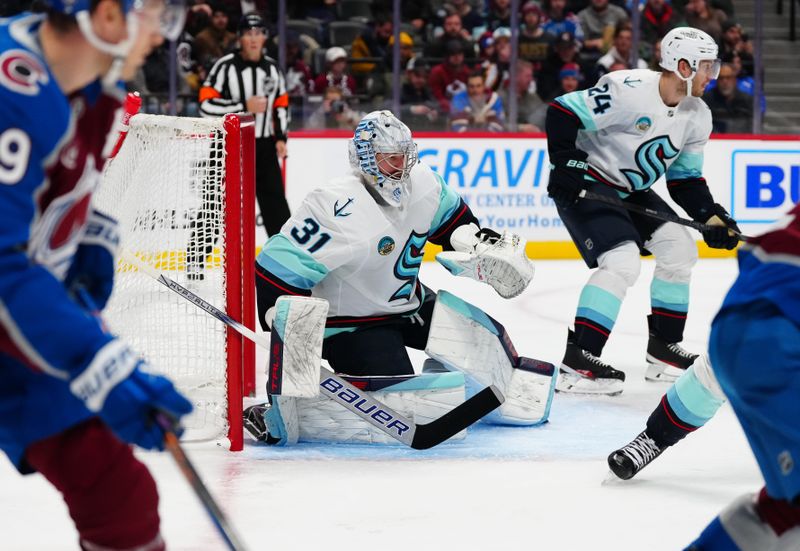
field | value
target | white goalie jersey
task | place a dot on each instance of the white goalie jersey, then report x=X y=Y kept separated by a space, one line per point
x=633 y=138
x=361 y=256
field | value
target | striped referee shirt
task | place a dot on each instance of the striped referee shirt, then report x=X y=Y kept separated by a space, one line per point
x=233 y=80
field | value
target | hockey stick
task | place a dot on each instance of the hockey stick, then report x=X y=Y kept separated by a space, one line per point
x=219 y=519
x=665 y=216
x=419 y=437
x=168 y=425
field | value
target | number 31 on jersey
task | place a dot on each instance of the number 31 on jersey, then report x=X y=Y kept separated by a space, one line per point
x=308 y=233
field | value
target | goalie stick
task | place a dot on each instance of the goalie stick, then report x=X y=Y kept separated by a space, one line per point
x=402 y=429
x=665 y=216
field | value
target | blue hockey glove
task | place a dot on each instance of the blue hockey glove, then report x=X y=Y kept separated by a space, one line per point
x=125 y=397
x=93 y=264
x=718 y=236
x=567 y=171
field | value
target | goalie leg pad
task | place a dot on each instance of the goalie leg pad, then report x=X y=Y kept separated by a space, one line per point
x=282 y=422
x=421 y=398
x=296 y=346
x=464 y=338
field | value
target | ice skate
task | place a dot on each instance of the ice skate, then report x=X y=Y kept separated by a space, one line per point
x=666 y=361
x=633 y=457
x=584 y=373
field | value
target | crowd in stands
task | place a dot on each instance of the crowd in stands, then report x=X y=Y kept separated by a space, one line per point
x=455 y=57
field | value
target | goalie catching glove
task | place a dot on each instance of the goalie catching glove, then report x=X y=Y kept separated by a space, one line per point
x=484 y=255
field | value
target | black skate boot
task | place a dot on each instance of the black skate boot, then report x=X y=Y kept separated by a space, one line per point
x=584 y=373
x=666 y=361
x=633 y=457
x=255 y=425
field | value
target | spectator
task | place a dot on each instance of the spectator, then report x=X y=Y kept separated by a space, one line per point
x=565 y=50
x=476 y=108
x=406 y=49
x=744 y=82
x=486 y=51
x=419 y=108
x=531 y=110
x=499 y=14
x=298 y=74
x=497 y=71
x=658 y=18
x=569 y=79
x=620 y=52
x=557 y=20
x=701 y=16
x=452 y=30
x=655 y=57
x=334 y=112
x=470 y=18
x=247 y=80
x=373 y=43
x=731 y=109
x=534 y=41
x=449 y=77
x=418 y=12
x=335 y=77
x=599 y=21
x=216 y=40
x=734 y=41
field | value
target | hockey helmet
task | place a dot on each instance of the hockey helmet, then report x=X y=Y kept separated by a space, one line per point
x=380 y=132
x=690 y=44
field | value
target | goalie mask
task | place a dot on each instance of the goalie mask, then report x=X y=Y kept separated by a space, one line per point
x=693 y=45
x=383 y=151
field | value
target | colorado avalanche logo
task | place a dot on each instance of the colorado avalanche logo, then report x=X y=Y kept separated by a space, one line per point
x=651 y=160
x=407 y=266
x=21 y=72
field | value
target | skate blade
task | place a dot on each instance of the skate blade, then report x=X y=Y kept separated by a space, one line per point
x=573 y=383
x=659 y=372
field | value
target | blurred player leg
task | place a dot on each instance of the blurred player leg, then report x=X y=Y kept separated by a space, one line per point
x=111 y=496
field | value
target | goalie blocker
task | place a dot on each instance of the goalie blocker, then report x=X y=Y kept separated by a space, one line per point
x=328 y=408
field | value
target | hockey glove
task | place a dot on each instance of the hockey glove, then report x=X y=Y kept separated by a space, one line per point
x=93 y=264
x=720 y=236
x=114 y=387
x=486 y=256
x=567 y=171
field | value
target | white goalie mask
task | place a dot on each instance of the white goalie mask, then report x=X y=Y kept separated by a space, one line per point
x=383 y=151
x=692 y=45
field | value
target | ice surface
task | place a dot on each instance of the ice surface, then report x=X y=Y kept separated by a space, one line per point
x=541 y=488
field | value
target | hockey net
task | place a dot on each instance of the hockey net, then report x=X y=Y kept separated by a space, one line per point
x=182 y=190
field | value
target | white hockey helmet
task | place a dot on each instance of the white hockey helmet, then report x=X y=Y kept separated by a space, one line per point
x=690 y=44
x=382 y=132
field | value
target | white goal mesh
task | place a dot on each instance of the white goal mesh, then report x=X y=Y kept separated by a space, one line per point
x=171 y=190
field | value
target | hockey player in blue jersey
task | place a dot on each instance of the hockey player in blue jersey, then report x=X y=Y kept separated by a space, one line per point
x=617 y=139
x=71 y=395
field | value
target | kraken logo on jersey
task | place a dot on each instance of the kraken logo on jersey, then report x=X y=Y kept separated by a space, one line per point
x=651 y=160
x=407 y=266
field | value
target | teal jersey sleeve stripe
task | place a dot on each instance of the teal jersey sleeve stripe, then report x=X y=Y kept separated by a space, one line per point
x=448 y=203
x=666 y=292
x=692 y=401
x=576 y=102
x=687 y=165
x=290 y=263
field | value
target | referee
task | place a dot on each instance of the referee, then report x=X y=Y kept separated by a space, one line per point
x=248 y=80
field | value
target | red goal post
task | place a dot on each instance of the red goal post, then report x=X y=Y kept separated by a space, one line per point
x=183 y=190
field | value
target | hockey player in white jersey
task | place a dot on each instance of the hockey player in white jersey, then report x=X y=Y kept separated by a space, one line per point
x=358 y=243
x=618 y=139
